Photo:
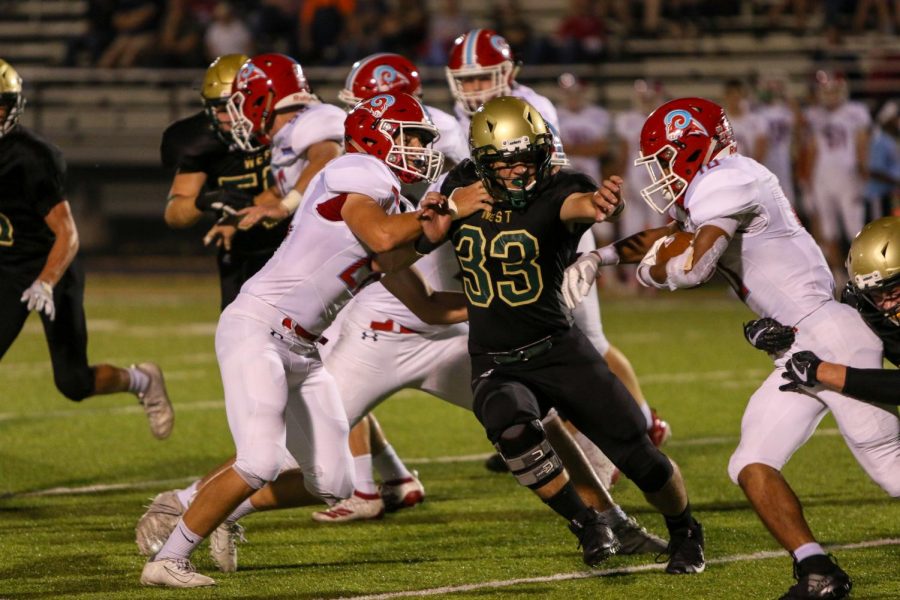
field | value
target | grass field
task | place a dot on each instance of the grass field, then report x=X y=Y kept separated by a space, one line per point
x=75 y=477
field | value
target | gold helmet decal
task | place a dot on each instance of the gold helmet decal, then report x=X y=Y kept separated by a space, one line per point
x=219 y=75
x=874 y=257
x=507 y=131
x=10 y=97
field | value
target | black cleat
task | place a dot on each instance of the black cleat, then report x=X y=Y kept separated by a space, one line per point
x=686 y=551
x=824 y=581
x=595 y=537
x=496 y=464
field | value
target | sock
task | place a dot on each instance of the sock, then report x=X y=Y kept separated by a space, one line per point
x=648 y=416
x=182 y=541
x=614 y=515
x=186 y=496
x=244 y=508
x=363 y=479
x=138 y=381
x=567 y=503
x=680 y=522
x=389 y=465
x=807 y=550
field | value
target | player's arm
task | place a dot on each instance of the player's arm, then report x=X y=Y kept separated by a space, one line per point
x=872 y=385
x=697 y=264
x=64 y=248
x=604 y=203
x=181 y=208
x=317 y=155
x=435 y=308
x=377 y=230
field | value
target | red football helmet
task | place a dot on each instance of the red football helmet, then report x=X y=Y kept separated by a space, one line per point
x=373 y=127
x=264 y=85
x=480 y=54
x=678 y=139
x=383 y=73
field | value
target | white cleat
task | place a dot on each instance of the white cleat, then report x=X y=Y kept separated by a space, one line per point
x=156 y=402
x=173 y=572
x=358 y=507
x=402 y=493
x=154 y=527
x=223 y=546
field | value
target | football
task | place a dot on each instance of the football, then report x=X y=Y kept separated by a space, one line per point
x=674 y=245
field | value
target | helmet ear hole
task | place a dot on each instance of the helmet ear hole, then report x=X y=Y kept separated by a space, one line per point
x=694 y=156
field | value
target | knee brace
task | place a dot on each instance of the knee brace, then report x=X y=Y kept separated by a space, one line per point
x=529 y=456
x=499 y=404
x=75 y=384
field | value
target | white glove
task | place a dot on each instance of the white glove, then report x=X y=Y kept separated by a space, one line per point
x=579 y=277
x=649 y=260
x=39 y=297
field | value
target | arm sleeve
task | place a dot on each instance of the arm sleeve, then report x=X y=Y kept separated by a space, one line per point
x=873 y=385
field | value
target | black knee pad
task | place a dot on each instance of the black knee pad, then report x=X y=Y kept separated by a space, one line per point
x=645 y=465
x=528 y=454
x=499 y=404
x=76 y=385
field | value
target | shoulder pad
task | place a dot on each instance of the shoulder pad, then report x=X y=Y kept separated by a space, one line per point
x=724 y=191
x=187 y=140
x=318 y=123
x=360 y=174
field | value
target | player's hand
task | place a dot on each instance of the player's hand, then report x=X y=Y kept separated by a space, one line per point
x=608 y=199
x=468 y=200
x=579 y=277
x=769 y=335
x=801 y=369
x=217 y=200
x=39 y=297
x=435 y=216
x=221 y=234
x=252 y=215
x=643 y=269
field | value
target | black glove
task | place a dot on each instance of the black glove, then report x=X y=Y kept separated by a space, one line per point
x=218 y=200
x=769 y=335
x=800 y=369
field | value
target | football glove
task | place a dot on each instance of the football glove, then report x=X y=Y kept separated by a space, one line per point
x=222 y=198
x=801 y=369
x=769 y=335
x=39 y=297
x=579 y=277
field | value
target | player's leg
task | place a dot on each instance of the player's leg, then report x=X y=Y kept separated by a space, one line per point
x=14 y=311
x=510 y=414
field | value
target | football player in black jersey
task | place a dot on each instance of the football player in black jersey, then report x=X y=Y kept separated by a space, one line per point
x=39 y=269
x=873 y=265
x=526 y=355
x=213 y=176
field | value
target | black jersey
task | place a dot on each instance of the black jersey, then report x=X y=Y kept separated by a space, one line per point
x=877 y=322
x=32 y=182
x=191 y=146
x=512 y=263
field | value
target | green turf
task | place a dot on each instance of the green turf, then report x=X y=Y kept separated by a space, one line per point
x=475 y=526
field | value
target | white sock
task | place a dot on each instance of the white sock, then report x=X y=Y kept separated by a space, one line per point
x=807 y=550
x=138 y=381
x=182 y=541
x=363 y=479
x=186 y=496
x=389 y=465
x=614 y=515
x=244 y=508
x=648 y=416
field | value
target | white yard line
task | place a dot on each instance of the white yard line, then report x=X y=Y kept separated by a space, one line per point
x=472 y=587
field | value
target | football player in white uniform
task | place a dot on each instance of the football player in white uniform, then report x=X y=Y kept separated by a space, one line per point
x=277 y=392
x=481 y=67
x=748 y=127
x=780 y=117
x=743 y=226
x=839 y=139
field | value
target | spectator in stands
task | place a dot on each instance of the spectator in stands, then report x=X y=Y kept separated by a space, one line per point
x=321 y=24
x=100 y=32
x=511 y=21
x=883 y=21
x=362 y=35
x=227 y=34
x=274 y=24
x=404 y=29
x=182 y=32
x=581 y=35
x=883 y=187
x=749 y=128
x=136 y=23
x=445 y=25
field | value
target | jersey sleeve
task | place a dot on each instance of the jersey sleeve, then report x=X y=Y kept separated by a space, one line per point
x=726 y=193
x=461 y=175
x=321 y=123
x=46 y=177
x=362 y=174
x=189 y=144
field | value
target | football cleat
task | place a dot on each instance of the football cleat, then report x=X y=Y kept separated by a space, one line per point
x=358 y=507
x=156 y=402
x=155 y=525
x=173 y=572
x=595 y=538
x=402 y=493
x=831 y=585
x=634 y=539
x=223 y=546
x=496 y=464
x=686 y=551
x=659 y=431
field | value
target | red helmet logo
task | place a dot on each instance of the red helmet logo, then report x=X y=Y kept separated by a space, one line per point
x=383 y=73
x=680 y=123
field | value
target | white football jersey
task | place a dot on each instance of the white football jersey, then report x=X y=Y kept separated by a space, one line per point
x=317 y=123
x=588 y=125
x=779 y=120
x=835 y=133
x=748 y=128
x=772 y=262
x=320 y=264
x=541 y=103
x=454 y=142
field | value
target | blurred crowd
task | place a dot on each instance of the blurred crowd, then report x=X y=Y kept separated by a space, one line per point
x=190 y=33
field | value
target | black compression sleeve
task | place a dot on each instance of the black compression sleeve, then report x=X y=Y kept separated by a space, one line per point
x=874 y=385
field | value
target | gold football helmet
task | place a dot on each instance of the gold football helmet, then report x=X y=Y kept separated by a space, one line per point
x=216 y=88
x=511 y=147
x=11 y=97
x=874 y=267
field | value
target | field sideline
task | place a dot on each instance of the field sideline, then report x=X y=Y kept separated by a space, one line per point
x=75 y=478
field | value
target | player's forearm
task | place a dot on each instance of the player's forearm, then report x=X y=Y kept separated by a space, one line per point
x=392 y=231
x=633 y=248
x=873 y=385
x=181 y=211
x=62 y=253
